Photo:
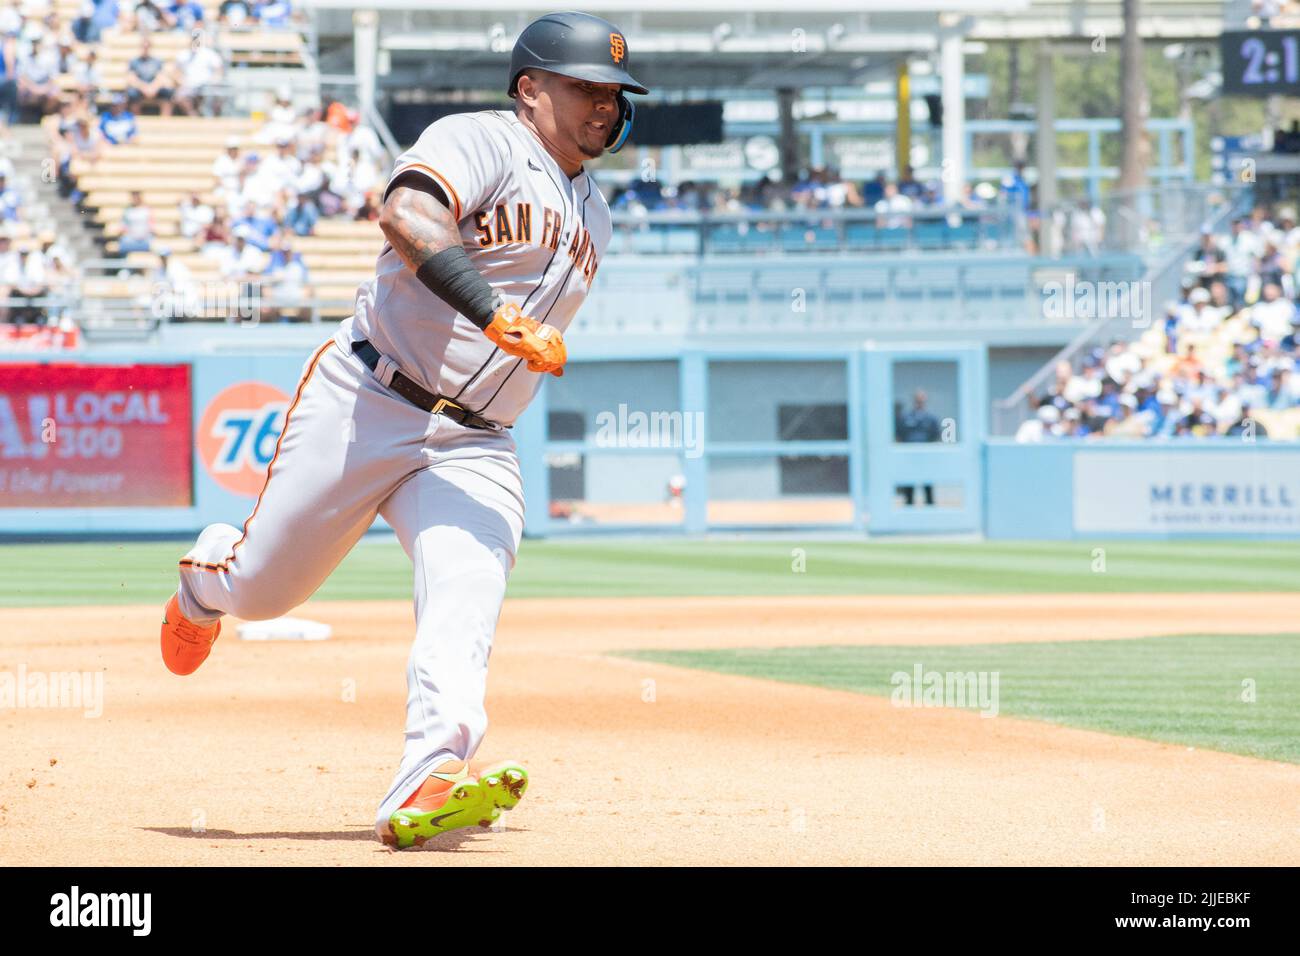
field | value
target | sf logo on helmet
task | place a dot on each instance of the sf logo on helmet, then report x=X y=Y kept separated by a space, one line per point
x=617 y=47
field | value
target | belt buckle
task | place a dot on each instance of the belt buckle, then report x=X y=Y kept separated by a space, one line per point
x=443 y=403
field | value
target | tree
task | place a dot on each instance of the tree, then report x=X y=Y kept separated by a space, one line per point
x=1135 y=106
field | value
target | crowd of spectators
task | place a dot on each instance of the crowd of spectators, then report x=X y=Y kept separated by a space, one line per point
x=894 y=201
x=1222 y=361
x=151 y=16
x=890 y=203
x=306 y=166
x=40 y=272
x=33 y=283
x=37 y=48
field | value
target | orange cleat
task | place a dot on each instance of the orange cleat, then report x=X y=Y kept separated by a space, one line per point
x=185 y=645
x=433 y=792
x=457 y=794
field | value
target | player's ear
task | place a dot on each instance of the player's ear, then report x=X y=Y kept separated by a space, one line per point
x=528 y=86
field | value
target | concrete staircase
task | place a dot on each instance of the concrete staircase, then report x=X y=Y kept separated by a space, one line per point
x=36 y=179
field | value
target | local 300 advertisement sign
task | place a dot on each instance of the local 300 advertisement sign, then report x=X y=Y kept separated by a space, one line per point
x=95 y=436
x=1245 y=489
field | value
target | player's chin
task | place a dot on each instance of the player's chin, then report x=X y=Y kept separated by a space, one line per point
x=591 y=141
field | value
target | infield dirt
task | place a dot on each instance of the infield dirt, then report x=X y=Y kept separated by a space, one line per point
x=276 y=753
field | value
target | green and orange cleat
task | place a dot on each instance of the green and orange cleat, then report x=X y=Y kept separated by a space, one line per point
x=457 y=795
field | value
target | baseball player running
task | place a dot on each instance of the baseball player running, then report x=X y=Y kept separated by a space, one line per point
x=494 y=233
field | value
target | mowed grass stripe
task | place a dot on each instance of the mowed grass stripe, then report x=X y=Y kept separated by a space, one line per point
x=888 y=568
x=144 y=572
x=1193 y=690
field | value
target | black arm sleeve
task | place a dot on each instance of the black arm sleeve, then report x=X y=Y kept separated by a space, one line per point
x=452 y=277
x=420 y=183
x=449 y=274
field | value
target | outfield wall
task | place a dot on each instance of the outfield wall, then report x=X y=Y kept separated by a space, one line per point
x=1166 y=489
x=55 y=479
x=686 y=438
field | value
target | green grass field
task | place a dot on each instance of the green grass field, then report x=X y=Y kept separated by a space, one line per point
x=145 y=572
x=1184 y=690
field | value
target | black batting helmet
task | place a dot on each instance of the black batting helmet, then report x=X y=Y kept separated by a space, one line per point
x=585 y=48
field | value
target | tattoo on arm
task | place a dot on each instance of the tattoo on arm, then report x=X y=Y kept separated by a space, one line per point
x=425 y=235
x=417 y=225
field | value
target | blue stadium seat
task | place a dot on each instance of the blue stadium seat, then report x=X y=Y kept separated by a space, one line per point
x=909 y=285
x=995 y=281
x=931 y=233
x=725 y=287
x=681 y=240
x=851 y=284
x=892 y=239
x=941 y=285
x=1013 y=285
x=826 y=239
x=861 y=235
x=806 y=237
x=842 y=289
x=794 y=238
x=758 y=240
x=931 y=284
x=873 y=288
x=723 y=239
x=995 y=230
x=648 y=241
x=964 y=236
x=779 y=285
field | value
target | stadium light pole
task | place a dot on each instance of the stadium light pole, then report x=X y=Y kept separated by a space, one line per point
x=903 y=120
x=1135 y=108
x=789 y=137
x=365 y=36
x=952 y=87
x=1045 y=146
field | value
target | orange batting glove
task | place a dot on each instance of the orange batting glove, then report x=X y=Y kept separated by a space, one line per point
x=523 y=337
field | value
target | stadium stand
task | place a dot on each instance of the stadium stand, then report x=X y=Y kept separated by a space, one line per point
x=1223 y=361
x=95 y=73
x=218 y=194
x=193 y=196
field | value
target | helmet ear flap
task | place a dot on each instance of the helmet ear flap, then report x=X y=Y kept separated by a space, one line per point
x=623 y=128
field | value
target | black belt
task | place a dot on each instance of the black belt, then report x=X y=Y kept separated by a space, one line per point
x=419 y=397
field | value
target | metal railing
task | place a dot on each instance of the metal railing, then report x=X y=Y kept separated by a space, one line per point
x=1159 y=216
x=969 y=293
x=941 y=294
x=1144 y=221
x=31 y=323
x=246 y=301
x=704 y=233
x=311 y=38
x=343 y=87
x=371 y=116
x=45 y=303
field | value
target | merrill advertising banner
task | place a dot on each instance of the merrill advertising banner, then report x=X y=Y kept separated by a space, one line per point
x=1244 y=490
x=95 y=436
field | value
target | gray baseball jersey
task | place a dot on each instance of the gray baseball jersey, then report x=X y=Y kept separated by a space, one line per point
x=352 y=449
x=535 y=235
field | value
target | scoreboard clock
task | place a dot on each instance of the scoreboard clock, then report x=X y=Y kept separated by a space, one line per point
x=1261 y=62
